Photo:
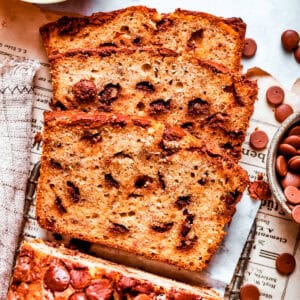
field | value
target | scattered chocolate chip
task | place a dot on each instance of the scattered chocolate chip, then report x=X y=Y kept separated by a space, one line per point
x=295 y=130
x=118 y=228
x=292 y=195
x=84 y=90
x=183 y=201
x=159 y=106
x=143 y=181
x=293 y=140
x=140 y=106
x=145 y=86
x=249 y=292
x=297 y=55
x=162 y=227
x=163 y=24
x=187 y=225
x=161 y=180
x=93 y=136
x=282 y=112
x=73 y=191
x=259 y=190
x=296 y=214
x=187 y=244
x=110 y=93
x=294 y=164
x=110 y=181
x=195 y=38
x=57 y=278
x=137 y=40
x=101 y=289
x=258 y=140
x=285 y=263
x=187 y=125
x=55 y=164
x=290 y=40
x=198 y=107
x=275 y=95
x=60 y=206
x=250 y=48
x=80 y=278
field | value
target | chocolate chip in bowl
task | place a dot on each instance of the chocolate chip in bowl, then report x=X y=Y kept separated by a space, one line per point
x=283 y=166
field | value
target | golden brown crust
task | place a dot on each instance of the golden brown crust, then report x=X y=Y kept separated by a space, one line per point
x=223 y=40
x=198 y=95
x=50 y=271
x=155 y=190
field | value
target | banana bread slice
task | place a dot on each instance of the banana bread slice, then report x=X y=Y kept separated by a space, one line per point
x=135 y=184
x=178 y=89
x=50 y=271
x=206 y=36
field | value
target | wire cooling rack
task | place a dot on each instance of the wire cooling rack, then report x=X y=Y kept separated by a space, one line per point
x=232 y=291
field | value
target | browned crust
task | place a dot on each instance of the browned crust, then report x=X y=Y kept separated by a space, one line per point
x=95 y=19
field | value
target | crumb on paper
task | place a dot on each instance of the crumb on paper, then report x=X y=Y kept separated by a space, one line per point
x=259 y=190
x=37 y=139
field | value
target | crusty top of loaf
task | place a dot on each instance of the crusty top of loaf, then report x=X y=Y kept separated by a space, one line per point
x=138 y=185
x=198 y=95
x=206 y=36
x=80 y=274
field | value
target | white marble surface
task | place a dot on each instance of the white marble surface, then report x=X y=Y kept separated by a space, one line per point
x=266 y=20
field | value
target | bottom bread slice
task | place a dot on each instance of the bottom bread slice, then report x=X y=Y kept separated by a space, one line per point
x=136 y=184
x=50 y=271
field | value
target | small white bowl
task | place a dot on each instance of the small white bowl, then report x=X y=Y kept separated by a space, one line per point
x=274 y=184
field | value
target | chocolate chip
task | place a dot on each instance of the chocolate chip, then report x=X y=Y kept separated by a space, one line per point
x=118 y=228
x=162 y=227
x=290 y=179
x=294 y=164
x=108 y=45
x=78 y=296
x=282 y=112
x=84 y=90
x=187 y=125
x=60 y=206
x=145 y=86
x=57 y=278
x=70 y=25
x=163 y=24
x=187 y=244
x=59 y=106
x=293 y=140
x=110 y=93
x=93 y=136
x=296 y=214
x=195 y=39
x=281 y=165
x=137 y=40
x=297 y=55
x=290 y=40
x=259 y=190
x=54 y=163
x=250 y=48
x=292 y=195
x=249 y=292
x=161 y=180
x=258 y=140
x=275 y=95
x=183 y=201
x=99 y=290
x=110 y=181
x=198 y=107
x=143 y=181
x=285 y=263
x=73 y=191
x=231 y=197
x=295 y=130
x=80 y=278
x=187 y=225
x=287 y=149
x=159 y=106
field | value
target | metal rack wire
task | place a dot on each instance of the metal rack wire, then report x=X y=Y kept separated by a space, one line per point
x=232 y=291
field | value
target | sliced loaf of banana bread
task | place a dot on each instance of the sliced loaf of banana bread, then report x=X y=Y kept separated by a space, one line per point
x=136 y=184
x=50 y=271
x=206 y=36
x=178 y=89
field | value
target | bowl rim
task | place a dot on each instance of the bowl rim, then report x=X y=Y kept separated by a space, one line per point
x=275 y=187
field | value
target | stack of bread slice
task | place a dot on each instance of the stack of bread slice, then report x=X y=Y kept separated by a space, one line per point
x=141 y=152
